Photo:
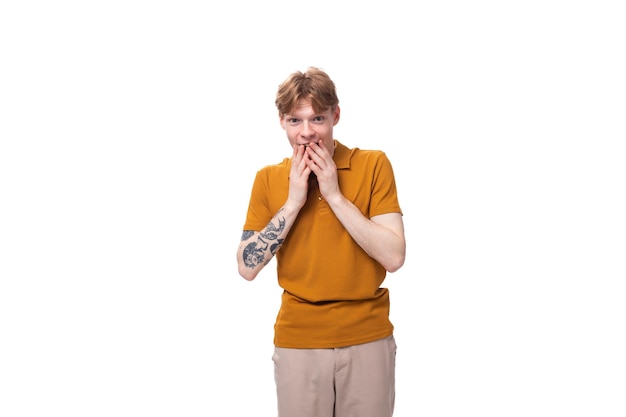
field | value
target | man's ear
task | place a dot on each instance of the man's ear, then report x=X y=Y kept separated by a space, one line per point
x=336 y=115
x=281 y=120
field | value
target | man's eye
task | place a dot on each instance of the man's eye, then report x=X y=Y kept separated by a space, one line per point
x=318 y=119
x=293 y=120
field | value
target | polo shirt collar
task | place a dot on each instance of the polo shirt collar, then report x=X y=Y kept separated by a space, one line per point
x=342 y=155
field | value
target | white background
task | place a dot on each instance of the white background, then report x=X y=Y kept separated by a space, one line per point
x=130 y=135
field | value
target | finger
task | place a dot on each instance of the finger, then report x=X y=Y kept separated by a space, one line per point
x=317 y=158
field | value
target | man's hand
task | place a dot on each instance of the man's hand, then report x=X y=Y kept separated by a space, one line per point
x=299 y=177
x=320 y=161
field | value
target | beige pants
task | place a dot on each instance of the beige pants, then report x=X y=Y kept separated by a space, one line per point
x=354 y=381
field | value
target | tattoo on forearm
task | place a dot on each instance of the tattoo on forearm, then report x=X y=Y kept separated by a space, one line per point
x=254 y=253
x=271 y=232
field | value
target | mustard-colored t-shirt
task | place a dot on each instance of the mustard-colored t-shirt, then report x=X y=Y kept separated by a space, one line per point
x=332 y=295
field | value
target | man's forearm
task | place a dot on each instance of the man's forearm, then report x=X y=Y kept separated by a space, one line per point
x=258 y=248
x=383 y=241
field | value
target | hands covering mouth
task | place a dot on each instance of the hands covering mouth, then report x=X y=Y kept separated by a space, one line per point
x=306 y=145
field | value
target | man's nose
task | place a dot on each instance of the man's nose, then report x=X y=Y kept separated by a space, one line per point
x=307 y=130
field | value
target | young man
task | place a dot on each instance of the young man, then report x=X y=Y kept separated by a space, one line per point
x=330 y=215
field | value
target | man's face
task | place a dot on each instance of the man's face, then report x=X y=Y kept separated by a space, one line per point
x=304 y=126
